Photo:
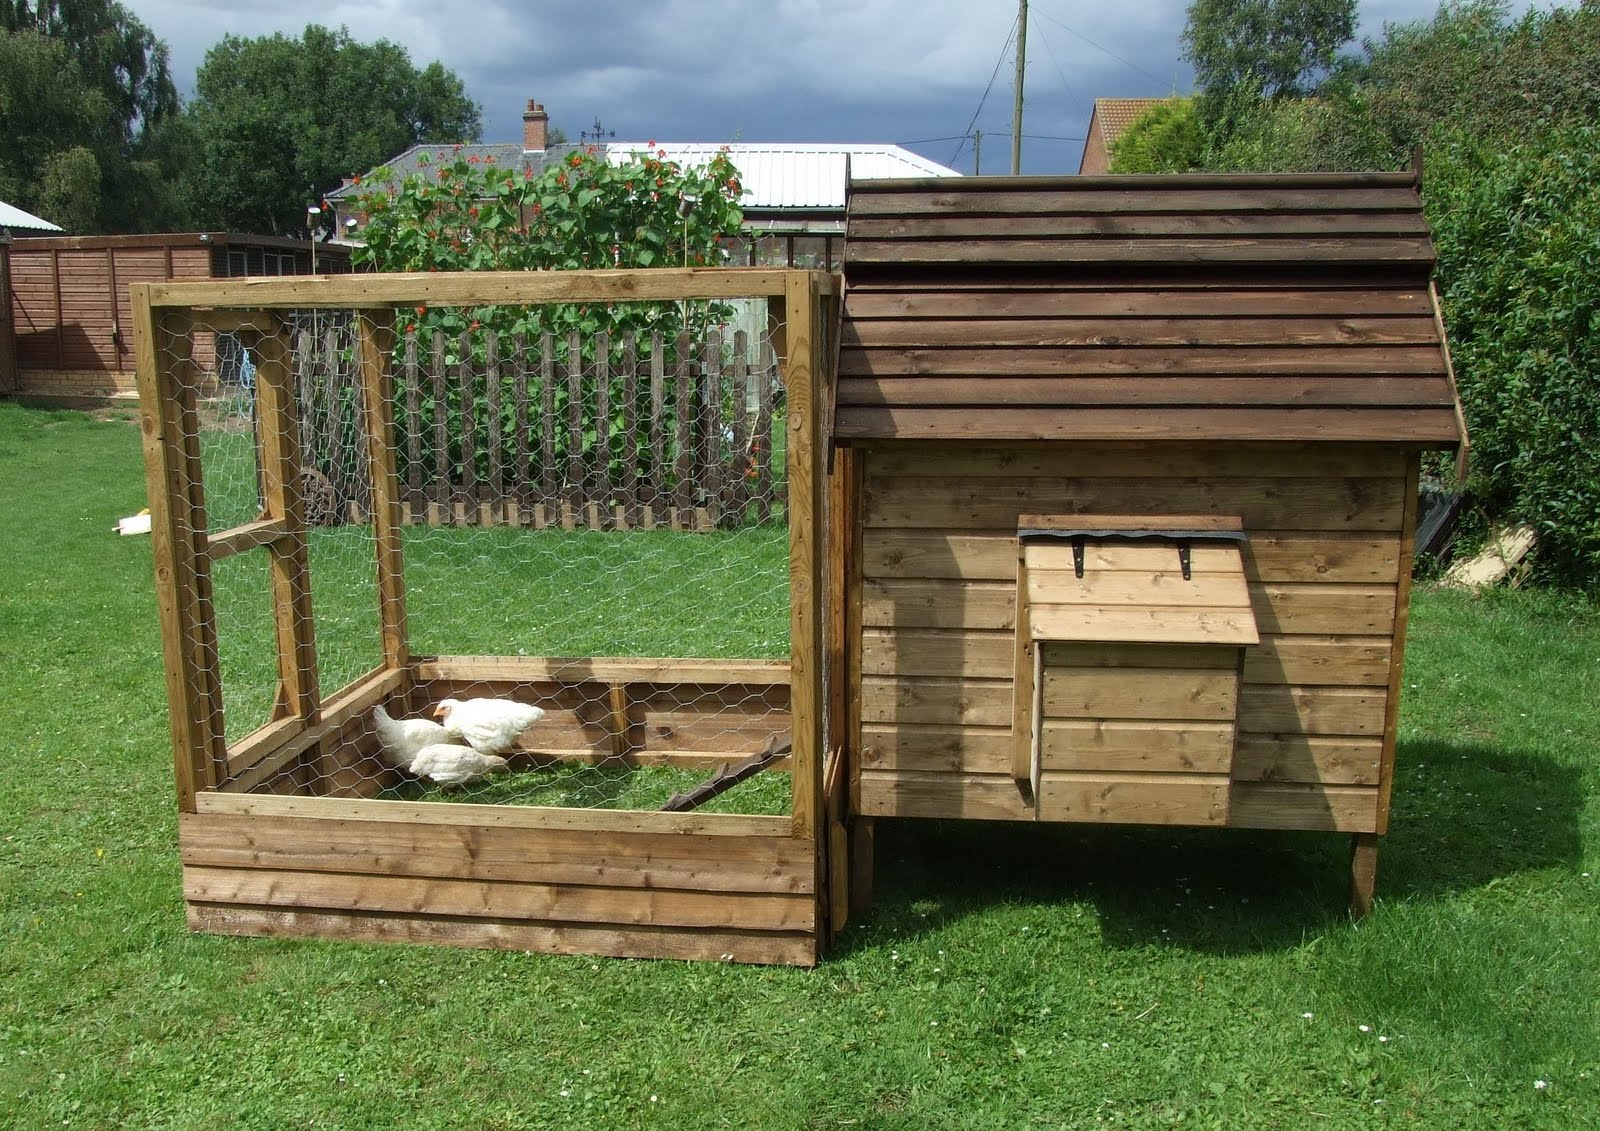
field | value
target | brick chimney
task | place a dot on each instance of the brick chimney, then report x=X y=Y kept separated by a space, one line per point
x=535 y=128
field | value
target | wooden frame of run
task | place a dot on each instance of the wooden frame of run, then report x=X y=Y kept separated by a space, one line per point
x=644 y=884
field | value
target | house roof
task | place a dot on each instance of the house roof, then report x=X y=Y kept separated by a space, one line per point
x=424 y=160
x=796 y=175
x=1113 y=116
x=774 y=175
x=1287 y=307
x=14 y=217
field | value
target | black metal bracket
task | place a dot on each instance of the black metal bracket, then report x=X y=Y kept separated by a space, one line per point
x=1077 y=556
x=1183 y=560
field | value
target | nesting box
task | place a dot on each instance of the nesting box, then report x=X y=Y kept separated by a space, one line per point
x=1130 y=469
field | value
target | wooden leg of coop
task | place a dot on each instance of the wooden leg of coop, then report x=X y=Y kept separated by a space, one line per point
x=861 y=842
x=1363 y=873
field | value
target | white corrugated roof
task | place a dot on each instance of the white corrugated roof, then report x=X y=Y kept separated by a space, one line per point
x=793 y=175
x=13 y=217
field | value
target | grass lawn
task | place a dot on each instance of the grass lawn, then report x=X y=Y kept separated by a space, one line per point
x=1008 y=977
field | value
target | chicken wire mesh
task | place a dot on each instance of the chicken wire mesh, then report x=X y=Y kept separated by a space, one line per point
x=593 y=523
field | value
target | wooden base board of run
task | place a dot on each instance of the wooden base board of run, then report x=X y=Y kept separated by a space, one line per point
x=630 y=884
x=756 y=948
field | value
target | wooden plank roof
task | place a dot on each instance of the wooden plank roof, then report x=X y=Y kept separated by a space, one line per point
x=1188 y=307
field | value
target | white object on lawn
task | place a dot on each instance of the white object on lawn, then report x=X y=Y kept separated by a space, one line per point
x=134 y=524
x=489 y=726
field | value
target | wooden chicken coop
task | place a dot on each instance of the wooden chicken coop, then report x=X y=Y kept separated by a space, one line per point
x=1099 y=501
x=1130 y=479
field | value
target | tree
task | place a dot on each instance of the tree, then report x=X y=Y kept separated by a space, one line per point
x=278 y=121
x=578 y=212
x=1166 y=138
x=1275 y=48
x=85 y=91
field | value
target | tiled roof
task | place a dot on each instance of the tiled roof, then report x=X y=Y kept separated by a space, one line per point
x=509 y=154
x=1115 y=115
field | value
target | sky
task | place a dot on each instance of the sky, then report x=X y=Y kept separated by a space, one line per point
x=920 y=73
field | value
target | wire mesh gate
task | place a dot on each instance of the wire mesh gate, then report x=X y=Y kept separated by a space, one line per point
x=590 y=506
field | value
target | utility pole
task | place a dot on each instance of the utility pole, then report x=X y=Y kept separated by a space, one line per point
x=977 y=153
x=1016 y=109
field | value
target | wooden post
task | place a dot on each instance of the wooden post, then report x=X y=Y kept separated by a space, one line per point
x=466 y=504
x=801 y=372
x=841 y=736
x=683 y=432
x=602 y=425
x=495 y=511
x=521 y=493
x=736 y=488
x=863 y=841
x=656 y=492
x=413 y=434
x=439 y=504
x=630 y=431
x=1363 y=873
x=1402 y=617
x=762 y=446
x=576 y=485
x=549 y=481
x=708 y=411
x=298 y=694
x=374 y=344
x=1024 y=739
x=160 y=353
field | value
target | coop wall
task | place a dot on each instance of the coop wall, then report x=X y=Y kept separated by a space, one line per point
x=1326 y=558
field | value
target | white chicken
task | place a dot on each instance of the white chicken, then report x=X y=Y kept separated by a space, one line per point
x=451 y=765
x=402 y=738
x=489 y=726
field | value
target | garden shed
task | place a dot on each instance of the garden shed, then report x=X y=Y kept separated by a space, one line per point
x=69 y=305
x=1128 y=479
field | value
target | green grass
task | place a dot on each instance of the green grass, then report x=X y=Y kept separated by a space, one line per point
x=1008 y=977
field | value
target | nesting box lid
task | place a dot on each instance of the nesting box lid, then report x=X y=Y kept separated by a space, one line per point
x=1162 y=579
x=1284 y=307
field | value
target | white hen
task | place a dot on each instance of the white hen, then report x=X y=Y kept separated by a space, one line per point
x=449 y=764
x=489 y=726
x=402 y=738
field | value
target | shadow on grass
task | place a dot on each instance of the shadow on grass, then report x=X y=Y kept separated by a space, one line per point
x=1464 y=815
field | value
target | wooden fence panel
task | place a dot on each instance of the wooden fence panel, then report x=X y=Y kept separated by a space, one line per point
x=667 y=432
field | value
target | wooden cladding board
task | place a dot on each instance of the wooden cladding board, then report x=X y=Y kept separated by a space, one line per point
x=555 y=889
x=1321 y=565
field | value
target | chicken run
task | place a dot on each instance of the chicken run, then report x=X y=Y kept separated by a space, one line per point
x=504 y=635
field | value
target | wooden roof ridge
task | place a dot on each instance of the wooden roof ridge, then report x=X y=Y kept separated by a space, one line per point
x=1071 y=183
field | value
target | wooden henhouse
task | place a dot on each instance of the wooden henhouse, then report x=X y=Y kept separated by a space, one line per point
x=1097 y=505
x=1129 y=471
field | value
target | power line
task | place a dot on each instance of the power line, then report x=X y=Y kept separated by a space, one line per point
x=1106 y=50
x=1050 y=51
x=1009 y=36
